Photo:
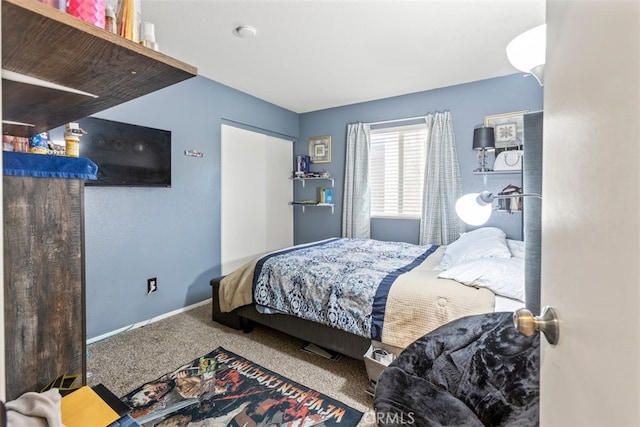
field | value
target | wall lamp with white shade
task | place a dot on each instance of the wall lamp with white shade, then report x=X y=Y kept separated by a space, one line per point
x=527 y=52
x=475 y=208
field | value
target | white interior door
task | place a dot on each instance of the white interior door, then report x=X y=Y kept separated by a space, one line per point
x=256 y=190
x=590 y=214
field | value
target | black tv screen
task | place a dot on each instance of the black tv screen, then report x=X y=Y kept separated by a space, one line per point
x=127 y=155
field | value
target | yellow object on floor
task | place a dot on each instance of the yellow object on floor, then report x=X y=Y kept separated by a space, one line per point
x=85 y=408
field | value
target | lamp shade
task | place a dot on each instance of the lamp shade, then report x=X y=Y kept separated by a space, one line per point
x=483 y=138
x=527 y=52
x=473 y=210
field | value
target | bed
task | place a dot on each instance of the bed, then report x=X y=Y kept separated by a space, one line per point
x=343 y=294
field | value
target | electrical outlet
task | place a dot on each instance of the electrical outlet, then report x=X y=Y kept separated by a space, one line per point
x=152 y=285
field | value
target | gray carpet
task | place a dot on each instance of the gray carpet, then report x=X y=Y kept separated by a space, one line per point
x=125 y=361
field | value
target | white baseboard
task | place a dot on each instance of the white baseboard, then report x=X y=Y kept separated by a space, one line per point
x=147 y=322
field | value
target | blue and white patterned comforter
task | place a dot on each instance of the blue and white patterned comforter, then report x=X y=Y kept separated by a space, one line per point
x=342 y=282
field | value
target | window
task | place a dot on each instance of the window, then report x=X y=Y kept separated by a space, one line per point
x=396 y=171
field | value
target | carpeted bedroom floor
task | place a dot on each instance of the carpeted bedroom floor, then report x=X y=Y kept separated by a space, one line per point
x=129 y=359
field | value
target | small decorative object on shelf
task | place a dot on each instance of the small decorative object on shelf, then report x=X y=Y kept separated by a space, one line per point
x=512 y=203
x=302 y=165
x=129 y=19
x=508 y=160
x=193 y=153
x=15 y=143
x=148 y=35
x=91 y=11
x=72 y=134
x=326 y=195
x=39 y=143
x=110 y=21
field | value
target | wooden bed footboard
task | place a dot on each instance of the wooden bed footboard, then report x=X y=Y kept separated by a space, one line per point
x=324 y=336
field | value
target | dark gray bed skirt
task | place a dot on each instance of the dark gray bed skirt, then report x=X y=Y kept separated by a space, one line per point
x=324 y=336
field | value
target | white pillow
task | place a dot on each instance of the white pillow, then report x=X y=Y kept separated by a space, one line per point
x=503 y=276
x=516 y=247
x=486 y=242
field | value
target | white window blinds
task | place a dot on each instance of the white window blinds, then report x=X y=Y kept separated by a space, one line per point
x=396 y=171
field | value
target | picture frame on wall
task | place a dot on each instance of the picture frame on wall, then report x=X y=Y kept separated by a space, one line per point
x=508 y=130
x=320 y=149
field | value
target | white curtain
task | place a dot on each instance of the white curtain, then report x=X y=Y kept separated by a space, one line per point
x=439 y=224
x=356 y=210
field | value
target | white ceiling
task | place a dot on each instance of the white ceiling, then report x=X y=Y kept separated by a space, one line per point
x=314 y=54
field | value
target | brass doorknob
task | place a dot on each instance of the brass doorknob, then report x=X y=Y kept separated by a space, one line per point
x=547 y=323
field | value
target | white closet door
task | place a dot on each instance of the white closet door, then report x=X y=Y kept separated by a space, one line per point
x=256 y=189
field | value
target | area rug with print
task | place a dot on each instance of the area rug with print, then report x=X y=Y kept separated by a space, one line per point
x=224 y=389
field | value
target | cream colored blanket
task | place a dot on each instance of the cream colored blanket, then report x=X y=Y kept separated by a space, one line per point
x=236 y=288
x=418 y=301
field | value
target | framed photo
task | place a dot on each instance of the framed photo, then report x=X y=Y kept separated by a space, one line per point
x=508 y=129
x=320 y=149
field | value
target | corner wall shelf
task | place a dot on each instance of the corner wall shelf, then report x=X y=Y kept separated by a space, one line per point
x=519 y=172
x=313 y=205
x=303 y=180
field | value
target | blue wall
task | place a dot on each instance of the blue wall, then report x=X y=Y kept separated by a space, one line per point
x=132 y=234
x=468 y=103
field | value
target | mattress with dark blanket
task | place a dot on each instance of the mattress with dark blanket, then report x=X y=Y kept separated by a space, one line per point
x=474 y=371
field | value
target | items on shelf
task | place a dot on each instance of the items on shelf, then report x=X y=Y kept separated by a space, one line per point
x=326 y=195
x=110 y=20
x=309 y=175
x=57 y=148
x=42 y=144
x=512 y=203
x=508 y=160
x=15 y=143
x=59 y=31
x=39 y=143
x=302 y=166
x=72 y=133
x=148 y=35
x=91 y=11
x=128 y=18
x=122 y=17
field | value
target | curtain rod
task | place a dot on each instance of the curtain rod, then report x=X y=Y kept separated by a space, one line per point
x=397 y=120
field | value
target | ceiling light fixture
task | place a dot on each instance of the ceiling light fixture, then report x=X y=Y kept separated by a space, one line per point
x=527 y=52
x=244 y=31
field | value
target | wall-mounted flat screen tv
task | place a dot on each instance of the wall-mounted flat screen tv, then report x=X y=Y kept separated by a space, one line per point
x=127 y=155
